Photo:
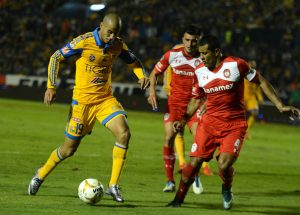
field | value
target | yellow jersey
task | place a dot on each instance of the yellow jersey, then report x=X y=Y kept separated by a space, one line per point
x=93 y=67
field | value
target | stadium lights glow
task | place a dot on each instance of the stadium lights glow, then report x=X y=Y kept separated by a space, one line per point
x=97 y=7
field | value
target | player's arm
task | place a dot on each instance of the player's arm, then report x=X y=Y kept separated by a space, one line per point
x=152 y=99
x=270 y=92
x=50 y=94
x=198 y=99
x=135 y=64
x=159 y=68
x=72 y=48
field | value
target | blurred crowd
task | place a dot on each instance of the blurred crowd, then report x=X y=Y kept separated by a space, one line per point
x=266 y=31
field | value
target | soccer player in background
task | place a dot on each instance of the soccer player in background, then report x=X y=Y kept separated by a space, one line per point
x=253 y=97
x=92 y=97
x=179 y=142
x=183 y=61
x=220 y=79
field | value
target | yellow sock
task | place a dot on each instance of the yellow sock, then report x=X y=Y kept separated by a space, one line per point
x=179 y=146
x=204 y=164
x=54 y=159
x=251 y=121
x=119 y=156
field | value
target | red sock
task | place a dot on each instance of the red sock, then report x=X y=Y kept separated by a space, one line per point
x=227 y=176
x=169 y=162
x=188 y=174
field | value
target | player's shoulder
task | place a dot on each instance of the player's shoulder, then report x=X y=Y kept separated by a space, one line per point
x=200 y=66
x=233 y=59
x=177 y=48
x=85 y=36
x=119 y=42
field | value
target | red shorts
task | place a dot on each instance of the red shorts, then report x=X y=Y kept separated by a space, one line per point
x=228 y=138
x=176 y=113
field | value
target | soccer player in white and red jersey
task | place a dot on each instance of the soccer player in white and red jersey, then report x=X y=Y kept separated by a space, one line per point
x=183 y=60
x=221 y=80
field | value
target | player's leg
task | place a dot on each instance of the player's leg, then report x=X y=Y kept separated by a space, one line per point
x=169 y=156
x=112 y=115
x=252 y=113
x=180 y=150
x=187 y=178
x=202 y=150
x=197 y=185
x=119 y=127
x=67 y=149
x=230 y=147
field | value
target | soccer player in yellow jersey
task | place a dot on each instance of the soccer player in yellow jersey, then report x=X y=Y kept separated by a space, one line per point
x=253 y=97
x=92 y=97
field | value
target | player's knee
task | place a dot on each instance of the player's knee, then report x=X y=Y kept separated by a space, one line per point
x=67 y=152
x=124 y=136
x=224 y=164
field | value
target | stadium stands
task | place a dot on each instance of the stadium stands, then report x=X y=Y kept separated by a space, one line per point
x=267 y=31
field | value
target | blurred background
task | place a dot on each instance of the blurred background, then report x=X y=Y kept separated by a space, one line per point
x=266 y=31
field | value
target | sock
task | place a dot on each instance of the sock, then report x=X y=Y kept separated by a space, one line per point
x=54 y=159
x=204 y=164
x=188 y=173
x=251 y=121
x=227 y=177
x=179 y=146
x=169 y=162
x=119 y=156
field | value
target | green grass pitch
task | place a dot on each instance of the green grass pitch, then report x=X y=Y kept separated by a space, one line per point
x=267 y=178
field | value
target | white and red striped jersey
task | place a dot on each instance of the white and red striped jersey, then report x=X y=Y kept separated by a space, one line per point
x=224 y=88
x=183 y=70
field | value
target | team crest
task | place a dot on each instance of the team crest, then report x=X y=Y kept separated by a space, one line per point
x=226 y=73
x=92 y=58
x=197 y=62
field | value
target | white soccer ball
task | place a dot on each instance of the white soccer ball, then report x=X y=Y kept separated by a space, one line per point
x=90 y=191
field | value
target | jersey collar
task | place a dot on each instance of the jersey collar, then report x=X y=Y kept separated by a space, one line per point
x=99 y=42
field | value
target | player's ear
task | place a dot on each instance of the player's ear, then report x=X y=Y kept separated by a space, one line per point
x=101 y=24
x=218 y=52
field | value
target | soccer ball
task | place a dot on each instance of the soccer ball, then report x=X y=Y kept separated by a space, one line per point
x=90 y=191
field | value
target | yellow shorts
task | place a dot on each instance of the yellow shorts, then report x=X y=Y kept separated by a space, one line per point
x=82 y=117
x=251 y=104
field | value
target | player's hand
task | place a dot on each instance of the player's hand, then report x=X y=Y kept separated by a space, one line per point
x=144 y=83
x=178 y=126
x=292 y=112
x=50 y=96
x=153 y=101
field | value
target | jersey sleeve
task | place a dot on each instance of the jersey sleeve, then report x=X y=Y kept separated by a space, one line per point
x=197 y=91
x=247 y=72
x=73 y=48
x=163 y=63
x=127 y=55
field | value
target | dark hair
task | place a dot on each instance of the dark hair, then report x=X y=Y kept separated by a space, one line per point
x=212 y=42
x=192 y=30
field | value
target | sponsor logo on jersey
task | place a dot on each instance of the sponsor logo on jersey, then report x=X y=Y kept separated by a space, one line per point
x=97 y=80
x=180 y=72
x=92 y=58
x=226 y=73
x=65 y=50
x=219 y=88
